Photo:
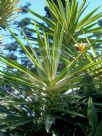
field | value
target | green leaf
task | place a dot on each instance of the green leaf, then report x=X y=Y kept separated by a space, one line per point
x=92 y=114
x=50 y=22
x=49 y=120
x=62 y=9
x=99 y=129
x=73 y=113
x=2 y=134
x=89 y=18
x=16 y=123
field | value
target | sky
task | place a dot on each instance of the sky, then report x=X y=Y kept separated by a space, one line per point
x=92 y=5
x=37 y=5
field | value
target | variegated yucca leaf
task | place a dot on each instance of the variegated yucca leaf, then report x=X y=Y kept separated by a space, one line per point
x=7 y=9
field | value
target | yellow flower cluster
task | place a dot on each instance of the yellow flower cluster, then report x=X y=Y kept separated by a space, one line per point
x=81 y=47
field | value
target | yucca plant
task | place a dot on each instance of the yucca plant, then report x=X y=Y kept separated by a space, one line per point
x=7 y=8
x=46 y=94
x=50 y=94
x=71 y=13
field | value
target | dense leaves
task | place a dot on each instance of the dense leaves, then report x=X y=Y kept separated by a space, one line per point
x=61 y=94
x=7 y=7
